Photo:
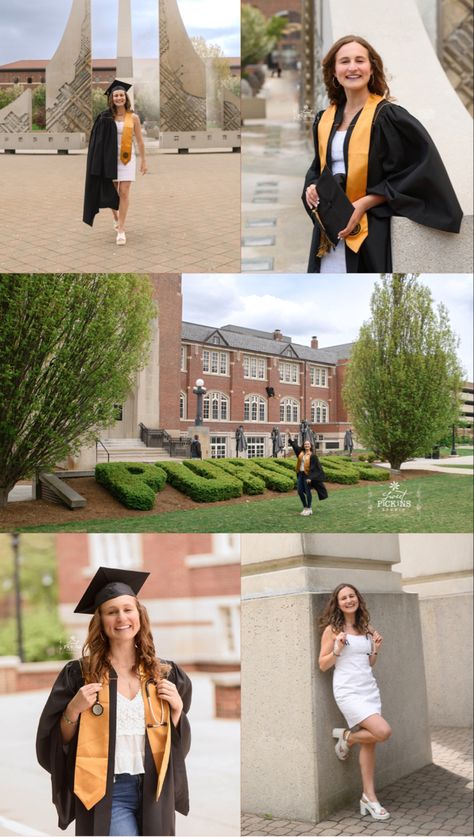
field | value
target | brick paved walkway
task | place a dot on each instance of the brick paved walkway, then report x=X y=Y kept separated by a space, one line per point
x=436 y=800
x=184 y=216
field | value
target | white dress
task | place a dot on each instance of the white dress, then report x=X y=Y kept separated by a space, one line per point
x=124 y=172
x=335 y=261
x=354 y=686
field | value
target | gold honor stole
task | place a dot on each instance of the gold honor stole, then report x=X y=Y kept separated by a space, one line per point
x=92 y=757
x=358 y=159
x=307 y=463
x=127 y=137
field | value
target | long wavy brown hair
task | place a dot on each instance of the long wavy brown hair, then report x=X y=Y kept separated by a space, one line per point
x=334 y=616
x=96 y=650
x=378 y=82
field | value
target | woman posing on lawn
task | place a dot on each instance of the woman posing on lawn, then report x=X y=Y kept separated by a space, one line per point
x=351 y=645
x=309 y=474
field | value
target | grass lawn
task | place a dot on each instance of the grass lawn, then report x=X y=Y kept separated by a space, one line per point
x=460 y=451
x=444 y=504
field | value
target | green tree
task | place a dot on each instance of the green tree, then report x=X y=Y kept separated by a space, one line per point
x=403 y=381
x=8 y=94
x=70 y=345
x=38 y=106
x=258 y=35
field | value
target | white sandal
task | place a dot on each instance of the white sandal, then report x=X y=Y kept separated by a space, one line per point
x=375 y=809
x=121 y=238
x=342 y=748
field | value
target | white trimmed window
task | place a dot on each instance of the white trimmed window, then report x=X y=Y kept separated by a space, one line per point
x=182 y=405
x=289 y=373
x=215 y=363
x=255 y=446
x=110 y=550
x=318 y=376
x=255 y=408
x=319 y=412
x=218 y=447
x=254 y=367
x=215 y=406
x=289 y=410
x=184 y=358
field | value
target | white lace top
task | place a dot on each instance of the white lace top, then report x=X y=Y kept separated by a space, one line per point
x=130 y=735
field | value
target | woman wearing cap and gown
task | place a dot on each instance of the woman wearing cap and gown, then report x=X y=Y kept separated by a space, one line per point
x=111 y=162
x=114 y=732
x=385 y=157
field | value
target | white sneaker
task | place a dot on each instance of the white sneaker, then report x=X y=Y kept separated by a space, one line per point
x=121 y=238
x=309 y=511
x=304 y=512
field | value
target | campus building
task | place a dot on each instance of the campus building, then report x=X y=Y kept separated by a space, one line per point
x=252 y=378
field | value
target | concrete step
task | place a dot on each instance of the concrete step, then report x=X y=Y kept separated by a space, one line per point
x=134 y=455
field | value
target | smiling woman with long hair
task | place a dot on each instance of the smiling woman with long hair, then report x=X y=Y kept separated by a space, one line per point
x=382 y=158
x=114 y=732
x=350 y=644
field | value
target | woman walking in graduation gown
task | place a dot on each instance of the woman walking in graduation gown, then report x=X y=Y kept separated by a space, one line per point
x=384 y=158
x=114 y=733
x=111 y=161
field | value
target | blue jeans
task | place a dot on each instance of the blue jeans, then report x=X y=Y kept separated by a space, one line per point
x=126 y=805
x=304 y=490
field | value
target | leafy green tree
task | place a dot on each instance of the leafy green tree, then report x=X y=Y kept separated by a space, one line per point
x=403 y=381
x=8 y=94
x=70 y=345
x=38 y=106
x=99 y=102
x=258 y=34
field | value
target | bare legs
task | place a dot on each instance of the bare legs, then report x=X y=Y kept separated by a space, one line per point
x=123 y=188
x=374 y=729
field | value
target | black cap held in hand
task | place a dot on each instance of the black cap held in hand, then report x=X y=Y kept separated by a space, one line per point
x=108 y=583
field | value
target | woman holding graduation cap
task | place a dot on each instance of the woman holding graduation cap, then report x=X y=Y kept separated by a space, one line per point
x=111 y=162
x=372 y=160
x=114 y=733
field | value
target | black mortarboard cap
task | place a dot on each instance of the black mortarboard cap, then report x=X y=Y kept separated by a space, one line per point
x=117 y=85
x=108 y=583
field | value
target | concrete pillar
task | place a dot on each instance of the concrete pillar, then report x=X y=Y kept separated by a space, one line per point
x=439 y=569
x=16 y=116
x=289 y=766
x=182 y=75
x=69 y=75
x=124 y=45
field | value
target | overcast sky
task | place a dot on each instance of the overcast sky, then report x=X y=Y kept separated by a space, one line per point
x=330 y=307
x=33 y=28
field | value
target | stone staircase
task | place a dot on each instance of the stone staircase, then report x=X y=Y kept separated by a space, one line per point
x=130 y=450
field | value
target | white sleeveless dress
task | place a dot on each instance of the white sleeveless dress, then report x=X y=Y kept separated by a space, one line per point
x=124 y=172
x=335 y=261
x=354 y=686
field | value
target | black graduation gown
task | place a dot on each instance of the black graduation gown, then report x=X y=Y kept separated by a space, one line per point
x=101 y=169
x=158 y=817
x=316 y=473
x=405 y=168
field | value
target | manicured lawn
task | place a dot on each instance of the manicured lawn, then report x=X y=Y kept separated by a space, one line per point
x=454 y=465
x=460 y=451
x=444 y=501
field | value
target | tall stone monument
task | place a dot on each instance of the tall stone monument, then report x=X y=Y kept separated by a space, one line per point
x=289 y=768
x=69 y=75
x=184 y=84
x=16 y=116
x=124 y=45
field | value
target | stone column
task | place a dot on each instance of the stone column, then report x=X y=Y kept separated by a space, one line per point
x=124 y=45
x=69 y=75
x=289 y=766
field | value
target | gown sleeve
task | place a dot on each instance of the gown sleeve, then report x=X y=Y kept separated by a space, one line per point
x=315 y=168
x=56 y=757
x=410 y=173
x=181 y=739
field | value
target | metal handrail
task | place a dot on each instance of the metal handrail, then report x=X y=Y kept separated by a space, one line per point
x=100 y=442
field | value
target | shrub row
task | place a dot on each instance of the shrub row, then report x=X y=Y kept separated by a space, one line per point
x=202 y=481
x=134 y=484
x=268 y=472
x=250 y=482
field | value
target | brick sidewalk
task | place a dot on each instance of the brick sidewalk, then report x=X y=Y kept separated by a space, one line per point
x=436 y=800
x=184 y=217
